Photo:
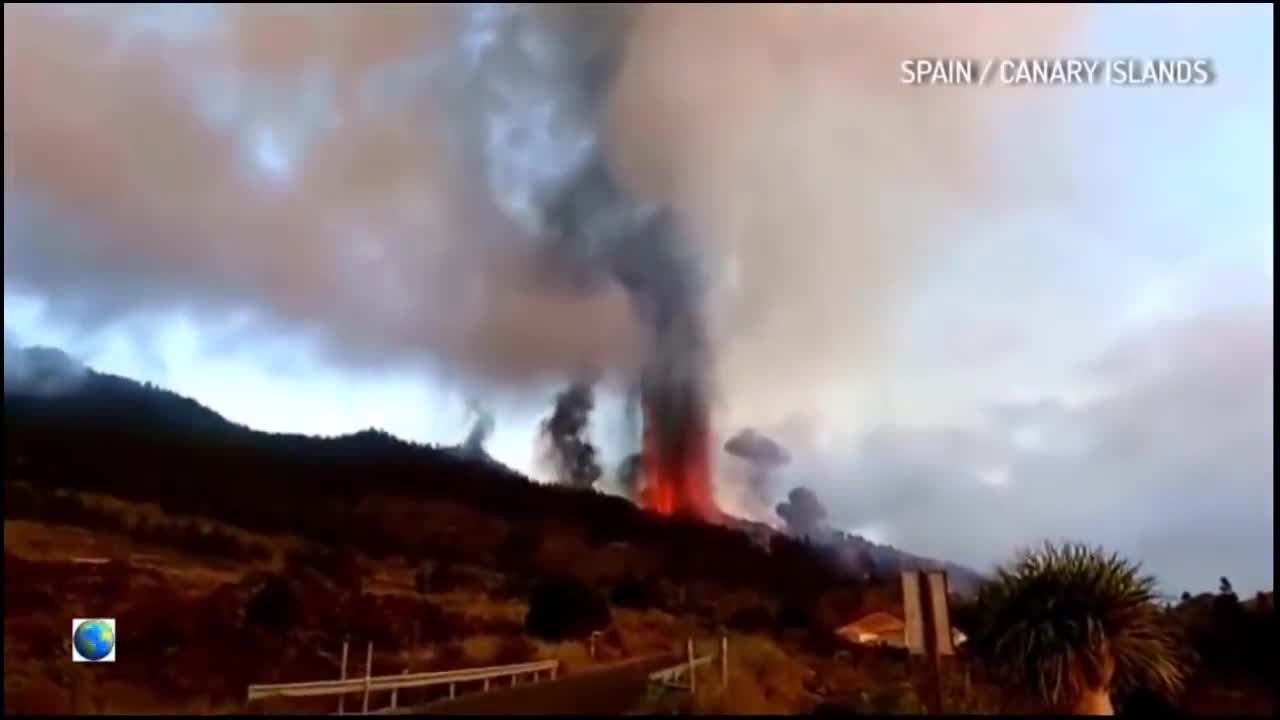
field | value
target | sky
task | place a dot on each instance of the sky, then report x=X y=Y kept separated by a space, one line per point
x=976 y=317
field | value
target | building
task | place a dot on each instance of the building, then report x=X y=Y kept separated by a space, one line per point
x=878 y=628
x=883 y=628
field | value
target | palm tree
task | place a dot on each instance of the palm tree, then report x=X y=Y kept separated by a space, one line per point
x=1070 y=624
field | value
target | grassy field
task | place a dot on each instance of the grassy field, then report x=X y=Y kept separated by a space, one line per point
x=183 y=645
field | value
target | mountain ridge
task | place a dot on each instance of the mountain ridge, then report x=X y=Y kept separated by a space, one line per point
x=55 y=394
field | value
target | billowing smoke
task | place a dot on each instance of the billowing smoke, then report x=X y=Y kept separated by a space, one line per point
x=570 y=450
x=480 y=431
x=39 y=370
x=805 y=515
x=506 y=198
x=537 y=79
x=762 y=457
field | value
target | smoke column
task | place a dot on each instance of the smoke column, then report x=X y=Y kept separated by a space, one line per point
x=571 y=452
x=535 y=82
x=480 y=430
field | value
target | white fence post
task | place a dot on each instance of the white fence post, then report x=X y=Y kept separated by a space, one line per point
x=395 y=692
x=724 y=661
x=368 y=676
x=343 y=674
x=693 y=674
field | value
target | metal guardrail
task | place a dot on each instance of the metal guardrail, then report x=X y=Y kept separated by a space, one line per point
x=677 y=675
x=683 y=676
x=403 y=682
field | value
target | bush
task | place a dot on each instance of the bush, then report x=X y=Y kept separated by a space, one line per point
x=514 y=649
x=341 y=567
x=39 y=696
x=635 y=594
x=751 y=619
x=368 y=619
x=562 y=608
x=450 y=656
x=794 y=615
x=274 y=607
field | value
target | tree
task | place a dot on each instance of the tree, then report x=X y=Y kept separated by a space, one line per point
x=275 y=606
x=1072 y=624
x=561 y=608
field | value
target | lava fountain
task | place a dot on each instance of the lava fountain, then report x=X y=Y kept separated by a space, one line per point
x=676 y=455
x=677 y=476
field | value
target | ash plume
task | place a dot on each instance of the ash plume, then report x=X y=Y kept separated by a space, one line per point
x=570 y=450
x=805 y=515
x=540 y=77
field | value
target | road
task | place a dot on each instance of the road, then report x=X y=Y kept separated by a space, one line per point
x=613 y=690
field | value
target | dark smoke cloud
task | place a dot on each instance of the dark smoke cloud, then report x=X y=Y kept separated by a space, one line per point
x=762 y=457
x=804 y=515
x=542 y=75
x=757 y=449
x=570 y=451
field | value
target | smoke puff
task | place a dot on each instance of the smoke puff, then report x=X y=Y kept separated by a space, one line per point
x=804 y=514
x=570 y=451
x=757 y=449
x=480 y=430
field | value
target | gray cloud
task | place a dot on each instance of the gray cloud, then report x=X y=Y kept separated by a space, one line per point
x=1171 y=461
x=259 y=168
x=295 y=166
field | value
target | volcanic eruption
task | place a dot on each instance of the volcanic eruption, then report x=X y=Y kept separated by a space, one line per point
x=534 y=85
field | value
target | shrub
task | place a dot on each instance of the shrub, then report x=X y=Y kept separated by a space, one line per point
x=341 y=567
x=1071 y=623
x=39 y=696
x=635 y=594
x=562 y=608
x=794 y=615
x=751 y=619
x=514 y=649
x=274 y=607
x=450 y=656
x=422 y=578
x=370 y=619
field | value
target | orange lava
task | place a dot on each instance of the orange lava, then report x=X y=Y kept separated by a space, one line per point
x=676 y=475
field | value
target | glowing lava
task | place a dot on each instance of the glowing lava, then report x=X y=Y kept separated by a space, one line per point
x=676 y=467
